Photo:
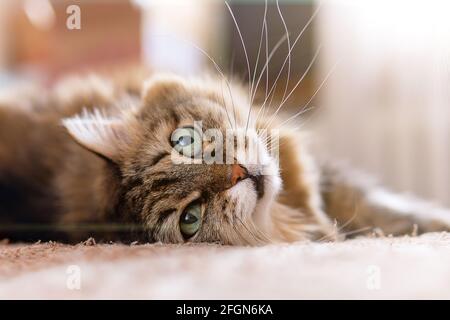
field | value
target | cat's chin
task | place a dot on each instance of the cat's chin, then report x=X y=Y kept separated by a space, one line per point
x=267 y=185
x=261 y=214
x=255 y=196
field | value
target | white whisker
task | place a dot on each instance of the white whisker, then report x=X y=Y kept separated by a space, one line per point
x=312 y=97
x=256 y=63
x=289 y=50
x=219 y=70
x=292 y=47
x=265 y=67
x=260 y=45
x=224 y=104
x=283 y=101
x=263 y=107
x=267 y=58
x=242 y=42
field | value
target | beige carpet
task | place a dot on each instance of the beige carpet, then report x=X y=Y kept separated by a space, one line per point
x=407 y=267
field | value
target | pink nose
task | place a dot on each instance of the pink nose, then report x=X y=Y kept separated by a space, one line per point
x=238 y=173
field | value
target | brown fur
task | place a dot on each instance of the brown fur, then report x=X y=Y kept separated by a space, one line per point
x=129 y=183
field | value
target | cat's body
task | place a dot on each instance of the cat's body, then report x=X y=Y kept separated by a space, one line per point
x=111 y=174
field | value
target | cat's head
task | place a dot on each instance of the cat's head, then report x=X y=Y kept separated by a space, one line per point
x=192 y=166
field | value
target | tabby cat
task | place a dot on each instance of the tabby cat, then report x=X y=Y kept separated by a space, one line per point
x=98 y=157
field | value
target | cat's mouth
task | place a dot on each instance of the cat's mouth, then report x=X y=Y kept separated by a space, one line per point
x=258 y=182
x=266 y=183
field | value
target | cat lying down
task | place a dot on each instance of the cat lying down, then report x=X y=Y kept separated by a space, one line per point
x=131 y=161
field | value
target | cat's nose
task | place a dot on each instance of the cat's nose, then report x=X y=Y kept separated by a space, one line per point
x=238 y=173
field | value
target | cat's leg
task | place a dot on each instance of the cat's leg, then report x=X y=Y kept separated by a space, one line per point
x=299 y=205
x=359 y=204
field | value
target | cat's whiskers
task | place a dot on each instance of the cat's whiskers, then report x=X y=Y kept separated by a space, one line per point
x=286 y=36
x=231 y=66
x=290 y=50
x=305 y=120
x=286 y=98
x=268 y=138
x=224 y=78
x=310 y=99
x=266 y=66
x=264 y=109
x=225 y=105
x=266 y=69
x=267 y=58
x=291 y=130
x=263 y=25
x=301 y=124
x=238 y=29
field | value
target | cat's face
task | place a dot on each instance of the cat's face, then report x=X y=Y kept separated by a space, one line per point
x=182 y=184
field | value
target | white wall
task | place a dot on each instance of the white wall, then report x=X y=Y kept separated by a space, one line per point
x=388 y=101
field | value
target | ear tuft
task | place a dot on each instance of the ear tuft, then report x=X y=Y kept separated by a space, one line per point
x=98 y=133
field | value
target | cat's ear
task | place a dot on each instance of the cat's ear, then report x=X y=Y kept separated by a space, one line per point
x=163 y=86
x=104 y=135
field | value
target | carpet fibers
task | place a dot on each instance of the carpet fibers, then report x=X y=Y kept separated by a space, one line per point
x=364 y=268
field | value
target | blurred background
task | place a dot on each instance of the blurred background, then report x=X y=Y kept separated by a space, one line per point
x=376 y=71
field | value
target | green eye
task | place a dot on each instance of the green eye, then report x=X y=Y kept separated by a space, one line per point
x=190 y=220
x=187 y=141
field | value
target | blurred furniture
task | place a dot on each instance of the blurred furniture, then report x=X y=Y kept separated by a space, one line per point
x=42 y=44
